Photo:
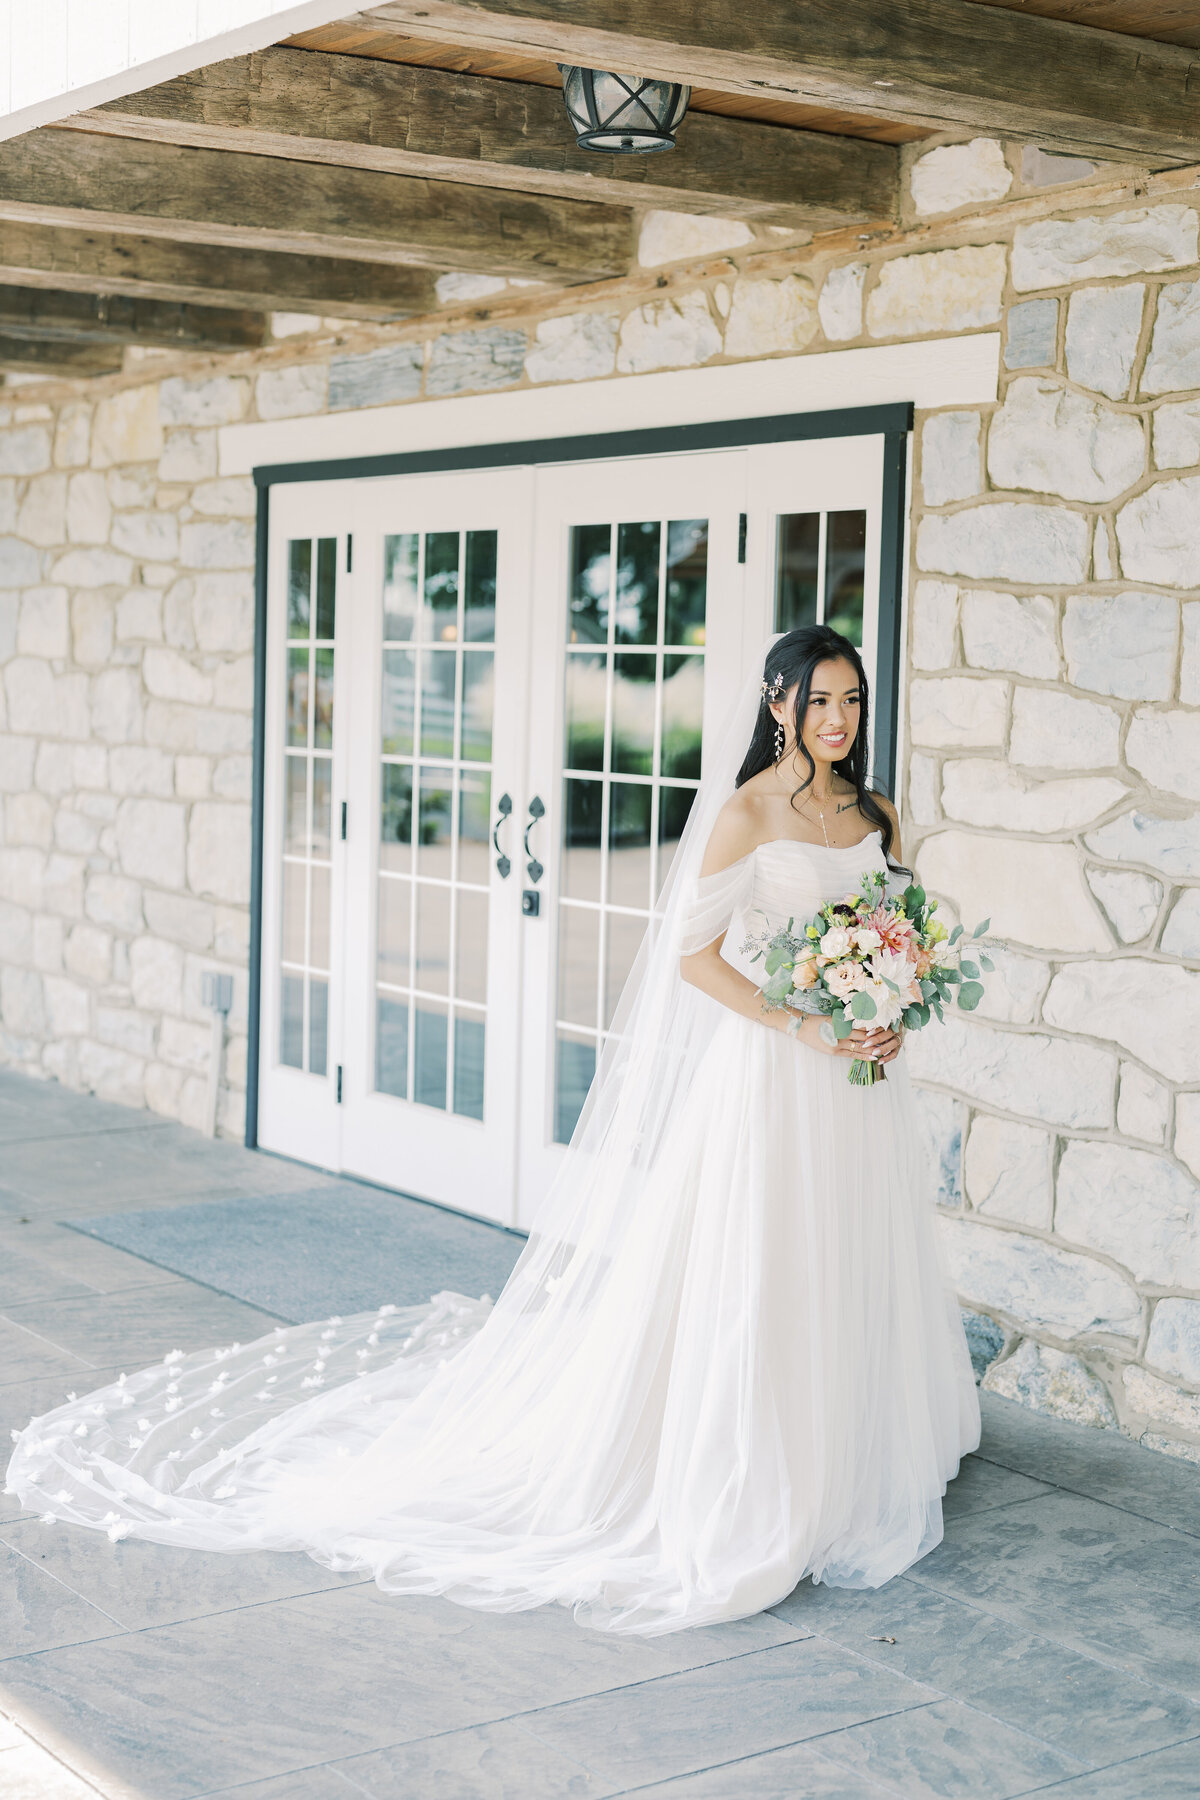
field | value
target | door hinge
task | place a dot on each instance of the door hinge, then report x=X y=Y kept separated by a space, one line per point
x=741 y=537
x=349 y=553
x=345 y=817
x=339 y=1084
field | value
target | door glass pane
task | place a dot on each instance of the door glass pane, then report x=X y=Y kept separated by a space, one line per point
x=845 y=572
x=633 y=714
x=306 y=840
x=797 y=567
x=435 y=822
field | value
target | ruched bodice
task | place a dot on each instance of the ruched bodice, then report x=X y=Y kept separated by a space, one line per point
x=781 y=879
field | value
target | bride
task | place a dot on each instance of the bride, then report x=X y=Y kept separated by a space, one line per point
x=727 y=1357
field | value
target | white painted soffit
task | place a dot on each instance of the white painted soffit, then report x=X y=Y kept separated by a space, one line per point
x=961 y=371
x=59 y=56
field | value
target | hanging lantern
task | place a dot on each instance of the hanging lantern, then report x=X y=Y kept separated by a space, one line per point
x=622 y=113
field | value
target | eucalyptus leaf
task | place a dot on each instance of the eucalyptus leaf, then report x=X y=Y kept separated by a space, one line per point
x=862 y=1006
x=980 y=929
x=969 y=969
x=969 y=995
x=986 y=961
x=956 y=934
x=843 y=1026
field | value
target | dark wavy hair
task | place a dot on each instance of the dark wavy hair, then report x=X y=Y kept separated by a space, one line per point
x=792 y=660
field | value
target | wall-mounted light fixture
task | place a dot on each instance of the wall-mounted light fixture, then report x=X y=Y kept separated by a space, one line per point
x=622 y=113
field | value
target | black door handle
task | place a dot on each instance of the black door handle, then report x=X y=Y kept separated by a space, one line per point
x=536 y=811
x=503 y=865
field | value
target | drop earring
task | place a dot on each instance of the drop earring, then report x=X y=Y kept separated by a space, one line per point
x=779 y=740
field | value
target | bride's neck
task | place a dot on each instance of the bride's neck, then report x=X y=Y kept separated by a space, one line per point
x=821 y=788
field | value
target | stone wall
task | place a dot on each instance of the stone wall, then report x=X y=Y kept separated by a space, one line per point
x=1053 y=704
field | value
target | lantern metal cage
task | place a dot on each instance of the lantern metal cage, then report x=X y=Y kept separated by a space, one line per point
x=625 y=114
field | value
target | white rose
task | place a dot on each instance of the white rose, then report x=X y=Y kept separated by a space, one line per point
x=866 y=938
x=836 y=942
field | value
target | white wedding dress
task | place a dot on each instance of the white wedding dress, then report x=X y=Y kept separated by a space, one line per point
x=729 y=1360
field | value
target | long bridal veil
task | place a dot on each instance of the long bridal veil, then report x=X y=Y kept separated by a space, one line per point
x=501 y=1453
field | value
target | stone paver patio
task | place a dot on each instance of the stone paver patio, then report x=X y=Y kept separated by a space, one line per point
x=1050 y=1644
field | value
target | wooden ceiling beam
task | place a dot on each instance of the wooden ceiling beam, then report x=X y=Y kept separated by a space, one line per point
x=65 y=177
x=46 y=313
x=53 y=357
x=102 y=262
x=946 y=64
x=355 y=112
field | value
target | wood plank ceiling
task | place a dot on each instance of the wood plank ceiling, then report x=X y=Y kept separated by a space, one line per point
x=342 y=171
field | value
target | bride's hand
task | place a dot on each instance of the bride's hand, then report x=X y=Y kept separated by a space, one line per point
x=880 y=1044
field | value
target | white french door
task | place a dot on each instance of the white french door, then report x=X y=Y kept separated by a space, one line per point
x=488 y=696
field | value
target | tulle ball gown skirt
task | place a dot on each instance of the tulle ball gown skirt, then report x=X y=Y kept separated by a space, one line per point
x=762 y=1377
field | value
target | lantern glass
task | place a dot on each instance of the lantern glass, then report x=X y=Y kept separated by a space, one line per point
x=622 y=113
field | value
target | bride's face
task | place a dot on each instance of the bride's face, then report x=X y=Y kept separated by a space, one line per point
x=830 y=723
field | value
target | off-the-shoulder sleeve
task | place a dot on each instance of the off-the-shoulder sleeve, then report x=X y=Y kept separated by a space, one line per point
x=711 y=905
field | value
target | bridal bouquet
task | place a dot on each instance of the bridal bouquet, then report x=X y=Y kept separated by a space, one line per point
x=872 y=957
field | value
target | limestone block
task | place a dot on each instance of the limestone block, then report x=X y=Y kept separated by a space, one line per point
x=217 y=544
x=1177 y=435
x=1052 y=1381
x=943 y=1120
x=1157 y=536
x=62 y=885
x=1059 y=252
x=91 y=628
x=1122 y=644
x=43 y=627
x=180 y=919
x=126 y=1029
x=458 y=286
x=141 y=769
x=1104 y=562
x=10 y=607
x=43 y=515
x=840 y=305
x=150 y=536
x=164 y=1089
x=1165 y=748
x=1142 y=1105
x=87 y=952
x=1007 y=1171
x=132 y=488
x=677 y=237
x=1133 y=1205
x=1103 y=329
x=1046 y=168
x=126 y=428
x=233 y=684
x=476 y=361
x=1170 y=846
x=93 y=568
x=668 y=334
x=150 y=840
x=139 y=616
x=222 y=612
x=16 y=763
x=89 y=511
x=937 y=290
x=1055 y=731
x=232 y=778
x=22 y=1006
x=25 y=451
x=957 y=710
x=184 y=1045
x=235 y=497
x=957 y=175
x=576 y=347
x=1034 y=893
x=221 y=733
x=111 y=1073
x=73 y=436
x=20 y=563
x=1158 y=1400
x=1174 y=1342
x=75 y=831
x=982 y=792
x=115 y=901
x=766 y=317
x=1187 y=1130
x=1181 y=934
x=218 y=400
x=116 y=706
x=20 y=934
x=376 y=378
x=922 y=805
x=231 y=926
x=1008 y=540
x=40 y=702
x=156 y=975
x=291 y=393
x=218 y=855
x=170 y=676
x=21 y=872
x=1013 y=994
x=1054 y=441
x=1024 y=1072
x=54 y=771
x=192 y=777
x=188 y=456
x=950 y=463
x=1148 y=1008
x=1036 y=1283
x=1130 y=900
x=1173 y=360
x=1031 y=340
x=28 y=819
x=1155 y=1440
x=1005 y=631
x=934 y=622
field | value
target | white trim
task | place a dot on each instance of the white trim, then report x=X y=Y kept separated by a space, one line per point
x=960 y=371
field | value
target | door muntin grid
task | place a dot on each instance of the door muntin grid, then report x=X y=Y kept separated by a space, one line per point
x=435 y=748
x=311 y=617
x=633 y=711
x=820 y=571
